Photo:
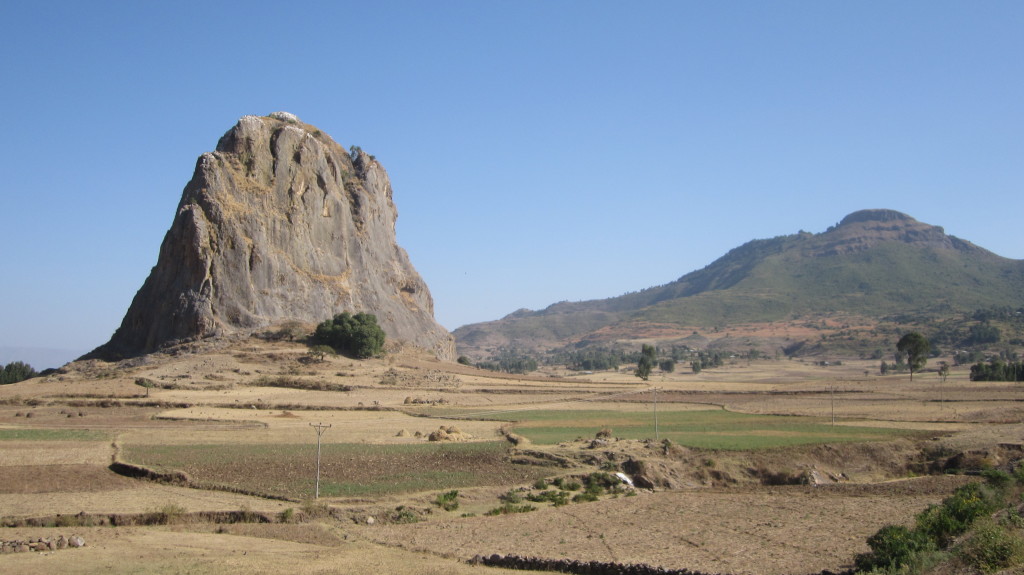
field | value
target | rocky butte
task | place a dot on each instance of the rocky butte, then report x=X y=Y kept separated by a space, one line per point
x=279 y=224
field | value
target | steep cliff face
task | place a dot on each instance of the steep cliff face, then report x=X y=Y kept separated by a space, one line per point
x=278 y=224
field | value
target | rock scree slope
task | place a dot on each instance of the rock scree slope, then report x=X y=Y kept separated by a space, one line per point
x=279 y=224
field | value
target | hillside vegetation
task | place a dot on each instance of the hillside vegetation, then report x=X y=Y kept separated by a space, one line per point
x=875 y=267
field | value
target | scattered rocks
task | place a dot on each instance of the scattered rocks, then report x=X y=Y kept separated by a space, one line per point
x=40 y=544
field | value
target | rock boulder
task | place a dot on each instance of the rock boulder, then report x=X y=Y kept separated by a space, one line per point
x=279 y=224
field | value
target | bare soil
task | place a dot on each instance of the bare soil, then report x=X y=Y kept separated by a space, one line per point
x=716 y=517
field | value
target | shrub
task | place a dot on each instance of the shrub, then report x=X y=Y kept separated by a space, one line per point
x=356 y=335
x=584 y=497
x=997 y=478
x=511 y=497
x=601 y=481
x=167 y=515
x=509 y=508
x=942 y=523
x=571 y=485
x=448 y=501
x=992 y=547
x=403 y=514
x=319 y=352
x=891 y=547
x=556 y=498
x=287 y=516
x=313 y=509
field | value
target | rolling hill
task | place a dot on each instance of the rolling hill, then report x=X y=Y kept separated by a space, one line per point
x=875 y=265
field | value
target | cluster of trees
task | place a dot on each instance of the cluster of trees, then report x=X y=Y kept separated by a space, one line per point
x=894 y=367
x=509 y=361
x=965 y=357
x=649 y=359
x=705 y=360
x=357 y=335
x=998 y=370
x=16 y=371
x=594 y=360
x=665 y=359
x=983 y=333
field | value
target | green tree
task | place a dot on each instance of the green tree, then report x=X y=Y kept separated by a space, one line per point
x=357 y=335
x=667 y=365
x=16 y=371
x=646 y=363
x=915 y=347
x=319 y=352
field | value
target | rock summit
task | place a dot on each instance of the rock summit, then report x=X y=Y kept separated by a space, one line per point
x=279 y=224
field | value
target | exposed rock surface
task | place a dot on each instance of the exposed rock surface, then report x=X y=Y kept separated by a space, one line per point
x=279 y=224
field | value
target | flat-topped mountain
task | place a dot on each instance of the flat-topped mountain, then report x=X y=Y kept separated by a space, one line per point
x=279 y=224
x=871 y=264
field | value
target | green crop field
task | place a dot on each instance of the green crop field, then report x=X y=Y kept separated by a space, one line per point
x=710 y=429
x=346 y=470
x=53 y=435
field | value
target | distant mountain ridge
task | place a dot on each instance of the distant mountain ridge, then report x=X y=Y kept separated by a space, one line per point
x=873 y=263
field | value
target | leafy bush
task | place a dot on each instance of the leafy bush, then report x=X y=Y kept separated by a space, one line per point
x=567 y=484
x=449 y=501
x=997 y=478
x=588 y=495
x=895 y=548
x=992 y=547
x=556 y=498
x=511 y=497
x=403 y=514
x=509 y=508
x=356 y=335
x=600 y=481
x=941 y=523
x=892 y=546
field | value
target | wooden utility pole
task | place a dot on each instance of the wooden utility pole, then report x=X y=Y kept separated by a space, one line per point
x=320 y=429
x=655 y=390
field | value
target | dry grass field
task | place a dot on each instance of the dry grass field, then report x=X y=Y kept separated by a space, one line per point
x=205 y=462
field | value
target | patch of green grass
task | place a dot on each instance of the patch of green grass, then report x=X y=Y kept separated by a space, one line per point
x=711 y=429
x=53 y=435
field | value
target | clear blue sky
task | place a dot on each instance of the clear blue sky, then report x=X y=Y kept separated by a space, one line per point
x=539 y=150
